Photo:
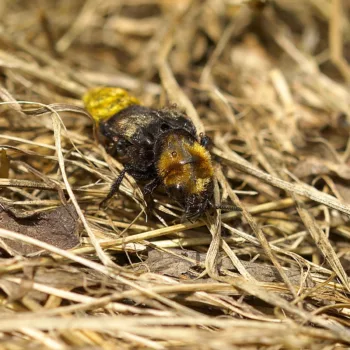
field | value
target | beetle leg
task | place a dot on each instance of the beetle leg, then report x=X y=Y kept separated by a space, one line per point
x=114 y=188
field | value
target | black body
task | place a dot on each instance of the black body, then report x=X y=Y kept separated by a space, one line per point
x=134 y=135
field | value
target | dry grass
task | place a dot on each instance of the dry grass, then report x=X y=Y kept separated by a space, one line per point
x=270 y=86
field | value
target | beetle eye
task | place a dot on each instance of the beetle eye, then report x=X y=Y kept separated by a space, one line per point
x=173 y=154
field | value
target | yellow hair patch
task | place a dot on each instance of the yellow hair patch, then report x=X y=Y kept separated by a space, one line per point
x=103 y=102
x=186 y=164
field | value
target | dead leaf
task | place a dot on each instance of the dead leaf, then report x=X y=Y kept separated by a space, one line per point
x=57 y=227
x=178 y=263
x=315 y=167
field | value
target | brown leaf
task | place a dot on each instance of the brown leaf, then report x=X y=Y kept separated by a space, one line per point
x=57 y=227
x=178 y=263
x=315 y=166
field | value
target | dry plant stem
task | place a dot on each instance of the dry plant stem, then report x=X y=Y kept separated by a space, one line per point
x=257 y=231
x=174 y=91
x=206 y=79
x=329 y=307
x=285 y=203
x=47 y=29
x=335 y=39
x=44 y=74
x=43 y=338
x=169 y=82
x=85 y=16
x=234 y=28
x=57 y=130
x=236 y=262
x=322 y=243
x=292 y=255
x=254 y=289
x=8 y=98
x=187 y=226
x=76 y=154
x=267 y=83
x=109 y=301
x=239 y=283
x=140 y=325
x=24 y=46
x=300 y=189
x=140 y=340
x=122 y=80
x=98 y=267
x=214 y=225
x=315 y=289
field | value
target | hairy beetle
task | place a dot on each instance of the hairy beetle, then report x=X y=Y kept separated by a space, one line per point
x=158 y=146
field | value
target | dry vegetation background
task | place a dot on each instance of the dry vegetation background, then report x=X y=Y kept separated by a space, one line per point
x=269 y=84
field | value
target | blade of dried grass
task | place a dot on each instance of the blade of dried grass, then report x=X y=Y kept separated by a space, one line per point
x=300 y=189
x=177 y=328
x=140 y=340
x=56 y=121
x=108 y=271
x=277 y=249
x=238 y=23
x=336 y=39
x=109 y=300
x=48 y=75
x=9 y=99
x=322 y=243
x=257 y=231
x=167 y=77
x=186 y=226
x=86 y=15
x=46 y=340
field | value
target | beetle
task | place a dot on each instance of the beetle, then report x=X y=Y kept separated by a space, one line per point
x=159 y=147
